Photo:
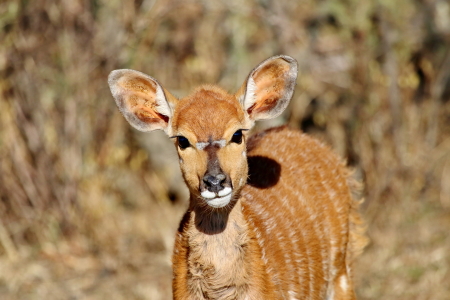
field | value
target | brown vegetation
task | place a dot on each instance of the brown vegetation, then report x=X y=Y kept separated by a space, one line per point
x=89 y=207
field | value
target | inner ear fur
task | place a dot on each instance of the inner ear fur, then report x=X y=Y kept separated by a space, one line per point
x=269 y=87
x=141 y=99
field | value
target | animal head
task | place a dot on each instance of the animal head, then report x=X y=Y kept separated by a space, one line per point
x=210 y=126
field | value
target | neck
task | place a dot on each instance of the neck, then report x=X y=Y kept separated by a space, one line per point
x=217 y=242
x=213 y=221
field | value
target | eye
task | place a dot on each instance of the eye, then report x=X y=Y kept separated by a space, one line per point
x=183 y=142
x=237 y=137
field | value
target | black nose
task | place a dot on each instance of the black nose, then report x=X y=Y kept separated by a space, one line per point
x=214 y=182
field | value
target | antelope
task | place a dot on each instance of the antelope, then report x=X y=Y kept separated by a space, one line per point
x=270 y=216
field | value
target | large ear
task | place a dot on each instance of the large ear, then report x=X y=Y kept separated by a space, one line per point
x=269 y=88
x=141 y=99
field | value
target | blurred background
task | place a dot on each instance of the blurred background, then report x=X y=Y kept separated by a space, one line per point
x=89 y=206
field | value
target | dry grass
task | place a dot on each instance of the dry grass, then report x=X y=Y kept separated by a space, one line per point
x=89 y=206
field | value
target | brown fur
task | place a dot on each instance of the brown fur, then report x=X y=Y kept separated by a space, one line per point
x=218 y=107
x=291 y=228
x=304 y=226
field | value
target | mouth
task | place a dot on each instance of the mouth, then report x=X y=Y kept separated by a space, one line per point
x=217 y=200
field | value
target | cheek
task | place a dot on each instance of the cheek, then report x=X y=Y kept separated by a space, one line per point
x=192 y=165
x=234 y=163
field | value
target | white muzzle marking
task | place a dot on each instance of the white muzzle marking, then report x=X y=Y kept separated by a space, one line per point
x=219 y=200
x=208 y=195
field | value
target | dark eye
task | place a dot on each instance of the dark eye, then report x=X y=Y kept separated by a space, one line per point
x=183 y=142
x=237 y=137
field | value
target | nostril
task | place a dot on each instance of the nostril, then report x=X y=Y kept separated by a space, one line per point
x=220 y=177
x=208 y=180
x=214 y=183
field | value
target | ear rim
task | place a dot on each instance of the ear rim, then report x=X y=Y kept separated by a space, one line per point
x=247 y=100
x=161 y=99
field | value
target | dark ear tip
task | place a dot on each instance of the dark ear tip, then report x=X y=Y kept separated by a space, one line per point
x=292 y=61
x=289 y=59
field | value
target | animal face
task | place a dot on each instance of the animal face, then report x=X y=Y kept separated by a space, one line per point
x=209 y=128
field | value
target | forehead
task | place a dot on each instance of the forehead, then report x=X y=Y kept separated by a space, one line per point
x=207 y=113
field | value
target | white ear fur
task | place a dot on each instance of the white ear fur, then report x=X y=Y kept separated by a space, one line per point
x=249 y=97
x=162 y=104
x=140 y=99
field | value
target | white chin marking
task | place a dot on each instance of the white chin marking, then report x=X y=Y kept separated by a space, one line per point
x=208 y=195
x=224 y=192
x=222 y=198
x=219 y=201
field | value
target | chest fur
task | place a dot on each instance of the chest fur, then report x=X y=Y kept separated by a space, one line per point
x=216 y=262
